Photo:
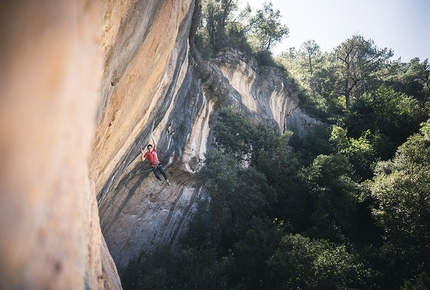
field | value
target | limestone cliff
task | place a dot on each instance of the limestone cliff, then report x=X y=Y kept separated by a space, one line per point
x=50 y=72
x=160 y=91
x=84 y=85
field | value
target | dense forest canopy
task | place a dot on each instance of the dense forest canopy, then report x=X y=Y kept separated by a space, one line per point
x=345 y=207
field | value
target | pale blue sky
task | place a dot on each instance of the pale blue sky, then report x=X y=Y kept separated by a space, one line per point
x=402 y=25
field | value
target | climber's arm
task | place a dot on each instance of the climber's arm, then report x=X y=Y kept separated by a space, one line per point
x=153 y=141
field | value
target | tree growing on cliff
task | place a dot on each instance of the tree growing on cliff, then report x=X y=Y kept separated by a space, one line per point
x=216 y=15
x=265 y=29
x=222 y=26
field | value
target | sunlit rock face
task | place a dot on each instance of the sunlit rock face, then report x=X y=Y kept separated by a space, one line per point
x=148 y=90
x=50 y=72
x=264 y=93
x=156 y=91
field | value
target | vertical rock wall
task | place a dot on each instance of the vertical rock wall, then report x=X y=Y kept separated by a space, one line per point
x=145 y=44
x=50 y=72
x=140 y=212
x=147 y=91
x=152 y=88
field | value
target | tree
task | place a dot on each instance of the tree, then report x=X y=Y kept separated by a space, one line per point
x=220 y=175
x=416 y=79
x=360 y=152
x=402 y=190
x=265 y=28
x=422 y=282
x=318 y=76
x=303 y=263
x=390 y=116
x=312 y=51
x=358 y=60
x=233 y=134
x=333 y=196
x=411 y=78
x=251 y=253
x=236 y=194
x=216 y=14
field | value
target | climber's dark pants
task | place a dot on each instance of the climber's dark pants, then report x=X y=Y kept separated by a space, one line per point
x=159 y=168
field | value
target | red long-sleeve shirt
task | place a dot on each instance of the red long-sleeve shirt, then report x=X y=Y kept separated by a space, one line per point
x=152 y=157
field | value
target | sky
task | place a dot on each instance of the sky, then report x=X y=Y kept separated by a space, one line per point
x=402 y=25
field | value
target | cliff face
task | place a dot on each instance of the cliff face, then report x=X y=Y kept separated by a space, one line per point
x=50 y=71
x=158 y=92
x=146 y=90
x=84 y=85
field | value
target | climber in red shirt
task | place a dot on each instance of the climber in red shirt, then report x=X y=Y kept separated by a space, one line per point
x=151 y=155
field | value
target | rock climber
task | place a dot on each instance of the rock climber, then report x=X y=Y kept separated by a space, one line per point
x=157 y=167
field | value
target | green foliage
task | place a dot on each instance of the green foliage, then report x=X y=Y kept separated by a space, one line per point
x=410 y=78
x=360 y=152
x=358 y=60
x=233 y=134
x=236 y=36
x=245 y=142
x=334 y=195
x=200 y=268
x=336 y=80
x=416 y=79
x=266 y=153
x=265 y=28
x=288 y=212
x=425 y=130
x=249 y=255
x=313 y=143
x=390 y=116
x=240 y=191
x=218 y=28
x=223 y=26
x=283 y=218
x=193 y=268
x=402 y=190
x=221 y=176
x=203 y=44
x=153 y=275
x=302 y=263
x=333 y=82
x=422 y=282
x=264 y=58
x=216 y=16
x=236 y=194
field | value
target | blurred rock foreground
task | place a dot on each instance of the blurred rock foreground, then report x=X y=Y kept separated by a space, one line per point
x=83 y=86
